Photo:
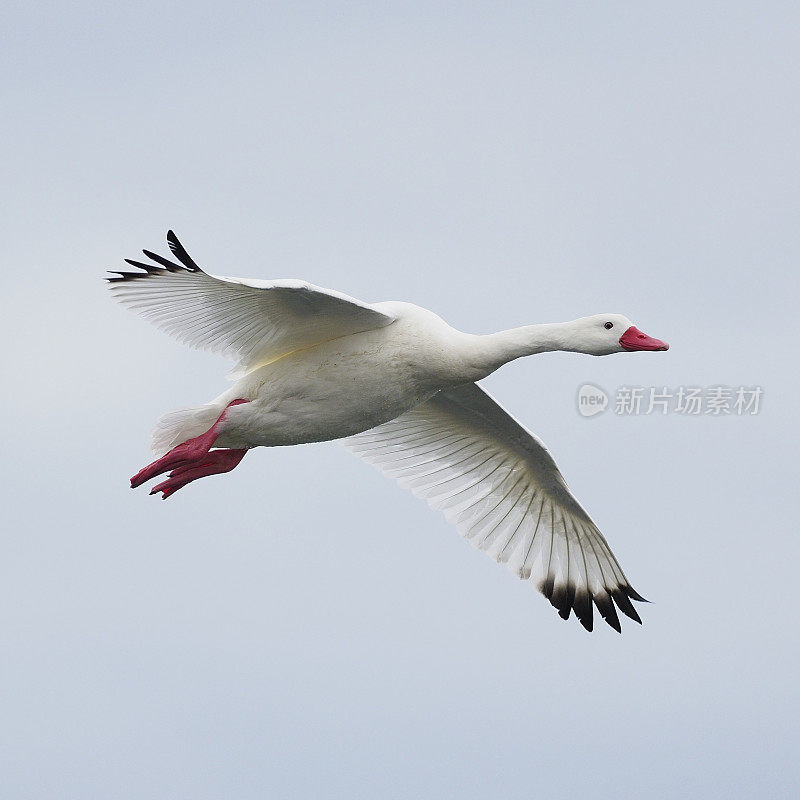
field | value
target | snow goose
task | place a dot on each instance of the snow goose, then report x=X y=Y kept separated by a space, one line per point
x=398 y=385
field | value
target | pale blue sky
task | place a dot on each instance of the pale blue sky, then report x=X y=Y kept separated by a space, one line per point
x=302 y=627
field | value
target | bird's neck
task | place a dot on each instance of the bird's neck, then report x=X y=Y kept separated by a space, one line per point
x=495 y=349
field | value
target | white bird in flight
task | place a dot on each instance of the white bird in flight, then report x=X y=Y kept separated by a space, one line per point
x=398 y=385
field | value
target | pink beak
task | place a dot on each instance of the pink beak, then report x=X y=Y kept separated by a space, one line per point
x=634 y=339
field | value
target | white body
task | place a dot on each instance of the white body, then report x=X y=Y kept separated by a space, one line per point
x=348 y=385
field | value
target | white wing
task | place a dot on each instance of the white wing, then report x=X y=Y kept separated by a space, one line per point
x=253 y=321
x=499 y=485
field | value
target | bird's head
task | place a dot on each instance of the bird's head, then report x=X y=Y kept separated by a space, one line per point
x=603 y=334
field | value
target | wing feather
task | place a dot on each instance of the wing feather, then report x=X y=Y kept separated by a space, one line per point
x=254 y=322
x=498 y=484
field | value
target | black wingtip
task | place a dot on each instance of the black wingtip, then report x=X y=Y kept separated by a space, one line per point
x=607 y=611
x=582 y=606
x=119 y=277
x=568 y=597
x=634 y=595
x=170 y=266
x=148 y=268
x=179 y=251
x=625 y=605
x=558 y=599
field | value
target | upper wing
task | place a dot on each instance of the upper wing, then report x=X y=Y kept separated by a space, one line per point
x=254 y=321
x=499 y=485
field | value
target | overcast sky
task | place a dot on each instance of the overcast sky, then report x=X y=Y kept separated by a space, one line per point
x=301 y=627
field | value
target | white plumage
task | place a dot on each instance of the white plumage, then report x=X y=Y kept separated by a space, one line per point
x=398 y=385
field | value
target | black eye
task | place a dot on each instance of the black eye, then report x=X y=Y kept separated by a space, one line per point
x=608 y=326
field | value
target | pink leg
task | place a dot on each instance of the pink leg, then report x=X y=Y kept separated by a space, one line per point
x=213 y=463
x=184 y=454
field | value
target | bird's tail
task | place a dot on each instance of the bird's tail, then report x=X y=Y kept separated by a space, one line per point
x=176 y=427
